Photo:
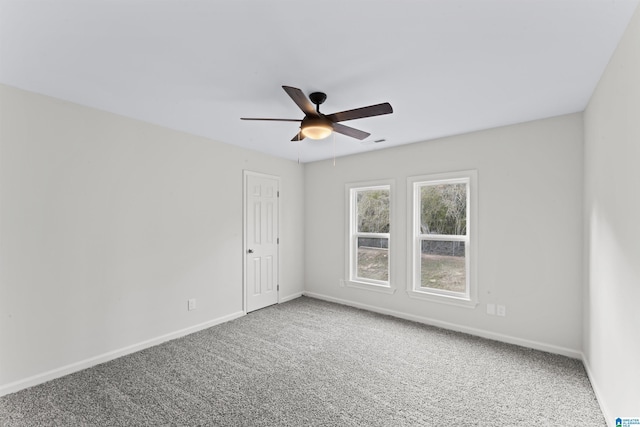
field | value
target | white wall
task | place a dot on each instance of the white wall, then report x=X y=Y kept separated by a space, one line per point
x=530 y=228
x=108 y=225
x=612 y=231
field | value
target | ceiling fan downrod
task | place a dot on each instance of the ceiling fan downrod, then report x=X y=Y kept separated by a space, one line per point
x=318 y=98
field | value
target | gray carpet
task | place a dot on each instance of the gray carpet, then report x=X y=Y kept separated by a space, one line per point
x=312 y=363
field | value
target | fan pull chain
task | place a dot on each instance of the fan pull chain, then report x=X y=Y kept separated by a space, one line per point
x=334 y=149
x=298 y=144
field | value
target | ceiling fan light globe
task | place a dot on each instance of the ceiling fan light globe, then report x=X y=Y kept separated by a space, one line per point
x=319 y=131
x=316 y=127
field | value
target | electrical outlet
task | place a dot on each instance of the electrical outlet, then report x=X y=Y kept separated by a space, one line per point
x=191 y=304
x=341 y=283
x=491 y=309
x=502 y=310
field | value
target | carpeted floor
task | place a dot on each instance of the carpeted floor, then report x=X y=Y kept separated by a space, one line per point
x=313 y=363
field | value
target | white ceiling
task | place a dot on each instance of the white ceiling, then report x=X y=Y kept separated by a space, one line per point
x=446 y=66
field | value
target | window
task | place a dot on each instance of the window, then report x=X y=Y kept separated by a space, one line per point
x=369 y=236
x=442 y=240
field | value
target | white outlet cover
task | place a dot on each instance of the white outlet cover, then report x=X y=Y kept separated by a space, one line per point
x=491 y=309
x=502 y=310
x=192 y=304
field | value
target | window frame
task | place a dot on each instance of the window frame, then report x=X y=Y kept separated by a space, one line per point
x=415 y=238
x=352 y=235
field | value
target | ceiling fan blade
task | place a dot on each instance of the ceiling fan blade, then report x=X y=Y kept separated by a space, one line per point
x=301 y=100
x=299 y=137
x=349 y=131
x=359 y=113
x=271 y=120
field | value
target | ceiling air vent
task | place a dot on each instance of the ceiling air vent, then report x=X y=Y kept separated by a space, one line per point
x=377 y=141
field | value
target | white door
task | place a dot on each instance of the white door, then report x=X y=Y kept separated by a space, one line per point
x=261 y=240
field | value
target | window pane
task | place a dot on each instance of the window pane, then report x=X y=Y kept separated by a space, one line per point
x=443 y=209
x=442 y=265
x=373 y=258
x=373 y=211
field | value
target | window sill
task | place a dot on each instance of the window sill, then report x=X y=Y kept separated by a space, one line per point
x=370 y=287
x=443 y=299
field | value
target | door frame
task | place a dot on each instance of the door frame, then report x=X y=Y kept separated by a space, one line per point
x=245 y=194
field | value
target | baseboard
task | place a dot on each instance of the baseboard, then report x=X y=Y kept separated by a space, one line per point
x=608 y=416
x=87 y=363
x=290 y=297
x=549 y=348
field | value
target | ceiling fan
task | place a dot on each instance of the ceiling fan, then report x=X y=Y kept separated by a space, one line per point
x=316 y=125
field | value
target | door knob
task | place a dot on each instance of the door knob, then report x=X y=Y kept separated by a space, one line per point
x=250 y=251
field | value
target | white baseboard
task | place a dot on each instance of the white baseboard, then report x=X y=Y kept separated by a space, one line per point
x=87 y=363
x=290 y=297
x=608 y=416
x=549 y=348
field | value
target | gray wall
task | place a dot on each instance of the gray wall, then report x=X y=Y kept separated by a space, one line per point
x=612 y=231
x=530 y=194
x=110 y=224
